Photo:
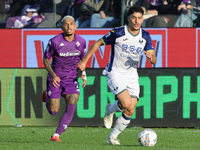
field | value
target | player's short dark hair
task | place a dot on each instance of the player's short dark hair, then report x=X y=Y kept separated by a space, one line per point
x=134 y=9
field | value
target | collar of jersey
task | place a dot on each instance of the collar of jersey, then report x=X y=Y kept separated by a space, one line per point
x=130 y=32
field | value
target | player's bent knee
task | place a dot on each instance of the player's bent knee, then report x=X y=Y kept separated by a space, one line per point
x=131 y=111
x=126 y=105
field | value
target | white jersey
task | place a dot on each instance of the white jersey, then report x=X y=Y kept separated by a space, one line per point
x=126 y=48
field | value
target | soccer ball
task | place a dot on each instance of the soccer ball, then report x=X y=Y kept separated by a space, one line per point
x=147 y=137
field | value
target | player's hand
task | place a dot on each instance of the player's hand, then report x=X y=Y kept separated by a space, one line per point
x=151 y=56
x=148 y=55
x=84 y=81
x=55 y=81
x=82 y=65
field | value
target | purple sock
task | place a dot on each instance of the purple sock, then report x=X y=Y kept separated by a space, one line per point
x=66 y=118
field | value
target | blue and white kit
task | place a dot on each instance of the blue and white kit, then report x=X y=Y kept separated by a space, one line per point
x=126 y=48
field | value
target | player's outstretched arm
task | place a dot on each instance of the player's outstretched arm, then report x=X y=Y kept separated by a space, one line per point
x=151 y=56
x=92 y=50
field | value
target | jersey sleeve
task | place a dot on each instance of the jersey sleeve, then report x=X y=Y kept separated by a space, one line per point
x=83 y=50
x=49 y=50
x=148 y=45
x=109 y=38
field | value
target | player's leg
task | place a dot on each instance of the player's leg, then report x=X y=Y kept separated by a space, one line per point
x=123 y=102
x=53 y=99
x=66 y=119
x=52 y=95
x=116 y=86
x=71 y=94
x=128 y=104
x=127 y=91
x=53 y=106
x=110 y=110
x=122 y=122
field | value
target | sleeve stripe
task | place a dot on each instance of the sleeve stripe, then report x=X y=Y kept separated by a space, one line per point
x=103 y=41
x=150 y=50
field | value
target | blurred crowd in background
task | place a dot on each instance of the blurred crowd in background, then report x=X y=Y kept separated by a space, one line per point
x=97 y=13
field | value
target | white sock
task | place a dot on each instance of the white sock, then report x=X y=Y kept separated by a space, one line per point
x=55 y=134
x=121 y=124
x=114 y=107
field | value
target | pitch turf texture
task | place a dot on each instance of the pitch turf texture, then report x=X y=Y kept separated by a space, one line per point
x=90 y=138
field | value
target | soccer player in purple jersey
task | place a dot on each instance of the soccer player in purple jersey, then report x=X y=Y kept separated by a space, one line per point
x=66 y=50
x=127 y=44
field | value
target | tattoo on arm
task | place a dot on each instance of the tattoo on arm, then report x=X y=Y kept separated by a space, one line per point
x=48 y=66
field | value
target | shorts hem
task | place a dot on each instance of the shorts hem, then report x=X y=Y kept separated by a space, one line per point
x=71 y=93
x=120 y=92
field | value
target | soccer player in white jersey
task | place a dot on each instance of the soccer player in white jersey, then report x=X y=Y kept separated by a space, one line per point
x=127 y=44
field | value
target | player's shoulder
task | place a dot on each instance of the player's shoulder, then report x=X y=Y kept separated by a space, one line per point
x=145 y=34
x=79 y=38
x=119 y=31
x=56 y=38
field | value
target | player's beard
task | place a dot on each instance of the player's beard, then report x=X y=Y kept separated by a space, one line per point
x=138 y=27
x=135 y=29
x=132 y=27
x=69 y=34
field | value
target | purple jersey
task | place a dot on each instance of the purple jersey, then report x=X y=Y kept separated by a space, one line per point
x=66 y=55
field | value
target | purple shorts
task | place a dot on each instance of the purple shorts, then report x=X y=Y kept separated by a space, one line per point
x=66 y=87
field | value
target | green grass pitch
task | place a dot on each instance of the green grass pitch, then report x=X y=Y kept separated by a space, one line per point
x=94 y=138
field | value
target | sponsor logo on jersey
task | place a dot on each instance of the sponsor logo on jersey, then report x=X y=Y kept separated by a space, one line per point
x=107 y=35
x=47 y=48
x=127 y=55
x=72 y=53
x=61 y=44
x=125 y=39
